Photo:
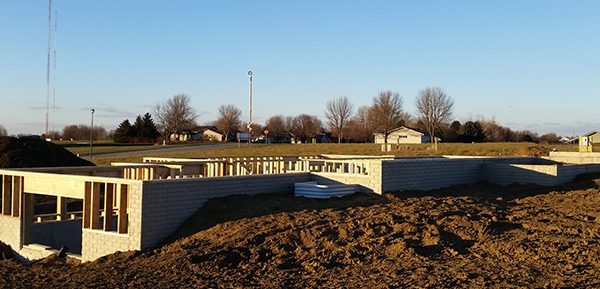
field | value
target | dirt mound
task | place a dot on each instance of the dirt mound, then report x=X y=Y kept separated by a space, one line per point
x=467 y=237
x=35 y=152
x=5 y=251
x=534 y=150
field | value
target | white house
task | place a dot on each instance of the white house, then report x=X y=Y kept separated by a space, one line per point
x=593 y=136
x=403 y=135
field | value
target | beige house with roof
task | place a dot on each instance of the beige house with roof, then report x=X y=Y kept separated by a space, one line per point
x=403 y=135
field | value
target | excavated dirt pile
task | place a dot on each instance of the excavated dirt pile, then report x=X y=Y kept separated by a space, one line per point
x=35 y=152
x=467 y=237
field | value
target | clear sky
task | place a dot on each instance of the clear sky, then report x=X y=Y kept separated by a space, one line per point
x=527 y=64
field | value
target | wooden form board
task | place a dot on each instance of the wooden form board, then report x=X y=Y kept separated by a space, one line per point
x=101 y=202
x=11 y=195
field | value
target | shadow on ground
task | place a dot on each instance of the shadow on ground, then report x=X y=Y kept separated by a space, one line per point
x=489 y=191
x=236 y=207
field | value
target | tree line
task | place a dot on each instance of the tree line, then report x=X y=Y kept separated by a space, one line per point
x=434 y=108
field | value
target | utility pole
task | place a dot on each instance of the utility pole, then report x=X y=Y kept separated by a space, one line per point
x=250 y=109
x=92 y=134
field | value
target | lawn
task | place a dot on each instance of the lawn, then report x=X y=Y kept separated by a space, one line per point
x=82 y=148
x=471 y=149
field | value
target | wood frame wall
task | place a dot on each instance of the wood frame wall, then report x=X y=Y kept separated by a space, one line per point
x=101 y=202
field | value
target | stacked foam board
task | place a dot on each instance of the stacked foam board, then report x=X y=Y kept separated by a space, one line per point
x=315 y=190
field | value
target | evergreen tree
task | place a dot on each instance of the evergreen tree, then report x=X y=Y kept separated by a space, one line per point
x=471 y=132
x=124 y=132
x=148 y=128
x=138 y=130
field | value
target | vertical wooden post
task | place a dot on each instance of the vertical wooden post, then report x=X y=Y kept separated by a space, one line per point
x=87 y=205
x=27 y=211
x=95 y=206
x=1 y=193
x=122 y=191
x=109 y=190
x=61 y=208
x=17 y=196
x=6 y=195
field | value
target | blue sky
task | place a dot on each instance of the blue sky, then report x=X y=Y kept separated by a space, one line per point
x=527 y=64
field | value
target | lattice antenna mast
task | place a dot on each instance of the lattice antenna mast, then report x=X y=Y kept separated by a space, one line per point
x=48 y=64
x=54 y=71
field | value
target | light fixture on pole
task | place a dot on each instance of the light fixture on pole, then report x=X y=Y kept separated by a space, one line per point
x=92 y=133
x=250 y=109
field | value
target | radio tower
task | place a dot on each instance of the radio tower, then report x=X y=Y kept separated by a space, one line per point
x=51 y=58
x=54 y=71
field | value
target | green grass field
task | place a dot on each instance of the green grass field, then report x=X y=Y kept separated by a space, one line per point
x=84 y=151
x=475 y=149
x=82 y=148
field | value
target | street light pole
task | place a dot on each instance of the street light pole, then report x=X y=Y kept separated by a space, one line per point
x=92 y=134
x=250 y=109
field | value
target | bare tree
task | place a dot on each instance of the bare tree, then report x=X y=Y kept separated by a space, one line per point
x=386 y=112
x=276 y=126
x=174 y=115
x=338 y=114
x=359 y=128
x=435 y=107
x=3 y=131
x=229 y=120
x=82 y=132
x=305 y=127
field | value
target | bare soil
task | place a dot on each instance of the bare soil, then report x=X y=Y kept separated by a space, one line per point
x=29 y=152
x=480 y=236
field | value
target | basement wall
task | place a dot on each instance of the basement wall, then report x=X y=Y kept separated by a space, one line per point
x=439 y=172
x=368 y=183
x=58 y=233
x=166 y=204
x=98 y=243
x=574 y=157
x=10 y=231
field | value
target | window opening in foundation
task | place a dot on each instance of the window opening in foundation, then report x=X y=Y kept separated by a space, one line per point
x=53 y=222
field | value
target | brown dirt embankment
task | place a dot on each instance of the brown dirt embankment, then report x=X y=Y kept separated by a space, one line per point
x=466 y=237
x=32 y=152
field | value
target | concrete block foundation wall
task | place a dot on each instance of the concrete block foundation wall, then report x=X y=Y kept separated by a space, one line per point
x=98 y=243
x=56 y=234
x=507 y=174
x=369 y=183
x=156 y=208
x=168 y=203
x=428 y=174
x=10 y=231
x=435 y=173
x=545 y=175
x=574 y=157
x=568 y=173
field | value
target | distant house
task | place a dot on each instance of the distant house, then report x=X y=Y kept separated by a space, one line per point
x=403 y=135
x=212 y=134
x=181 y=136
x=593 y=136
x=322 y=137
x=569 y=140
x=283 y=138
x=201 y=133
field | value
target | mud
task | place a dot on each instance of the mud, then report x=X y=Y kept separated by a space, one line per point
x=480 y=236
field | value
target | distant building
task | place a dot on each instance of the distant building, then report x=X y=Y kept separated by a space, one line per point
x=201 y=133
x=569 y=140
x=283 y=138
x=403 y=135
x=593 y=136
x=211 y=134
